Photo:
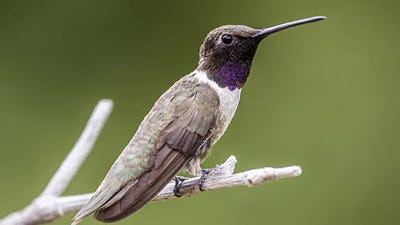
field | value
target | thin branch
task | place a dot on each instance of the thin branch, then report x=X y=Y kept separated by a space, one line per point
x=81 y=150
x=48 y=206
x=222 y=177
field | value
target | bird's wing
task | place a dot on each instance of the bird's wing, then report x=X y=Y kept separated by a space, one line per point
x=133 y=160
x=109 y=190
x=175 y=146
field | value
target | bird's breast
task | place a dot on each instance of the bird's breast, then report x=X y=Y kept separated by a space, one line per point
x=229 y=100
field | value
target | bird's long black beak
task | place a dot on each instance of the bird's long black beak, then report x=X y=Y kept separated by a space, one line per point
x=270 y=30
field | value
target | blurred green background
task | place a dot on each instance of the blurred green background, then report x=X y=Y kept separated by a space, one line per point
x=324 y=96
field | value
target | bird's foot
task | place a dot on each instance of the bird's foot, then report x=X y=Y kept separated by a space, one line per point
x=178 y=182
x=204 y=174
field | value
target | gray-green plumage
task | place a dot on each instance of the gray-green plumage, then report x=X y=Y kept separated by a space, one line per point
x=183 y=125
x=182 y=120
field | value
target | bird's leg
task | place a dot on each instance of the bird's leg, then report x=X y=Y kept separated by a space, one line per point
x=178 y=182
x=204 y=174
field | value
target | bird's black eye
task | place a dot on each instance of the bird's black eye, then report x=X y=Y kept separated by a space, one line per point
x=226 y=39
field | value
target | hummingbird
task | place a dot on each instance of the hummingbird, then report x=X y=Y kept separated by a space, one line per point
x=183 y=125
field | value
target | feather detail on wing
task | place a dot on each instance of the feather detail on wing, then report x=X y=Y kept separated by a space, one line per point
x=175 y=146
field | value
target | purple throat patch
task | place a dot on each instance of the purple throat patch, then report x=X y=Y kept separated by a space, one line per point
x=233 y=75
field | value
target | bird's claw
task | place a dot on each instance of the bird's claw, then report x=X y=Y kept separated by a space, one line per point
x=204 y=173
x=178 y=182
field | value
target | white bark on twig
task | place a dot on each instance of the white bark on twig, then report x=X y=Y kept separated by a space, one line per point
x=81 y=150
x=49 y=205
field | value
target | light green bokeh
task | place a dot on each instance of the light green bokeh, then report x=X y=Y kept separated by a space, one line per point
x=324 y=96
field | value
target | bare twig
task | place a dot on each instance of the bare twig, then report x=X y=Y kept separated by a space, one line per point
x=222 y=177
x=49 y=206
x=46 y=206
x=81 y=150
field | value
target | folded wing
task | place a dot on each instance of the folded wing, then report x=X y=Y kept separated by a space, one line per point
x=175 y=146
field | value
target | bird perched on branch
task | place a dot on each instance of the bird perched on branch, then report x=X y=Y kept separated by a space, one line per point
x=183 y=125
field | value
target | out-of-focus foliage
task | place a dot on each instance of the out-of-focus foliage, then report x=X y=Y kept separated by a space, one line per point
x=324 y=96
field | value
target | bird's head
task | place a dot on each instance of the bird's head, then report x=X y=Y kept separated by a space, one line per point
x=227 y=52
